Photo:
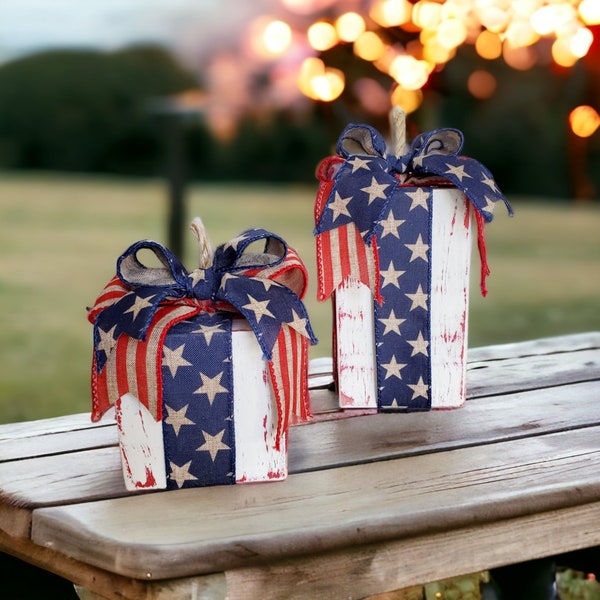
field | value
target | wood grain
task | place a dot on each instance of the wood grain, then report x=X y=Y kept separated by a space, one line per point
x=96 y=474
x=109 y=586
x=371 y=569
x=549 y=345
x=374 y=503
x=326 y=510
x=55 y=436
x=449 y=296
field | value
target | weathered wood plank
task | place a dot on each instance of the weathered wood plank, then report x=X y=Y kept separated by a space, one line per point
x=481 y=421
x=491 y=370
x=56 y=479
x=54 y=436
x=41 y=427
x=364 y=570
x=77 y=477
x=326 y=510
x=111 y=586
x=350 y=573
x=549 y=345
x=537 y=371
x=484 y=377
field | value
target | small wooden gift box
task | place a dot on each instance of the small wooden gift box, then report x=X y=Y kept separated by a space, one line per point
x=393 y=243
x=206 y=369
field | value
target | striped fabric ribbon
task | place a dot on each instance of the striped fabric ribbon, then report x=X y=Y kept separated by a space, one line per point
x=358 y=185
x=140 y=305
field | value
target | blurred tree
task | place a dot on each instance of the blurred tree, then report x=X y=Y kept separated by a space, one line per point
x=519 y=132
x=278 y=147
x=82 y=110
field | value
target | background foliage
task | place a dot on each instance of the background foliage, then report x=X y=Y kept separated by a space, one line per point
x=60 y=237
x=88 y=111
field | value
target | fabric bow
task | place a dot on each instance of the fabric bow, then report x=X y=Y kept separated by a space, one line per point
x=368 y=168
x=359 y=183
x=265 y=287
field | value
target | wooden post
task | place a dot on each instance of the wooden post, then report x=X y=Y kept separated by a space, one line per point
x=175 y=172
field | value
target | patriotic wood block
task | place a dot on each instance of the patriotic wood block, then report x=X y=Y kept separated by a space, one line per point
x=206 y=369
x=393 y=243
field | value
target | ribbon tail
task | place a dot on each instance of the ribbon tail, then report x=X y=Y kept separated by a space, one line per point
x=484 y=268
x=135 y=366
x=289 y=378
x=342 y=253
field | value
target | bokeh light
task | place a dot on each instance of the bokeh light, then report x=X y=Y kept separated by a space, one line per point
x=369 y=46
x=391 y=13
x=322 y=35
x=407 y=39
x=584 y=121
x=319 y=82
x=589 y=11
x=277 y=37
x=488 y=45
x=410 y=73
x=521 y=58
x=350 y=26
x=481 y=84
x=407 y=100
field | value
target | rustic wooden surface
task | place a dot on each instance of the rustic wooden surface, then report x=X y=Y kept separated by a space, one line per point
x=373 y=503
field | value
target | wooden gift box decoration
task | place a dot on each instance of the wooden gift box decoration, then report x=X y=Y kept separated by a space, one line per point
x=206 y=369
x=393 y=243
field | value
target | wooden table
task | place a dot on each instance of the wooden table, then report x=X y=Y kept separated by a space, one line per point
x=374 y=503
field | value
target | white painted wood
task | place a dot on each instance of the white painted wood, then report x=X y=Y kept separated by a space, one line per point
x=142 y=447
x=255 y=412
x=449 y=302
x=356 y=364
x=450 y=266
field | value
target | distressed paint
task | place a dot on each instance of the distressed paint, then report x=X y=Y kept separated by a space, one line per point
x=141 y=442
x=255 y=425
x=255 y=412
x=450 y=268
x=357 y=369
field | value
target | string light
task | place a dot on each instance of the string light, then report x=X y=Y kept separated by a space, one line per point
x=322 y=36
x=350 y=26
x=497 y=28
x=369 y=46
x=391 y=13
x=584 y=121
x=589 y=11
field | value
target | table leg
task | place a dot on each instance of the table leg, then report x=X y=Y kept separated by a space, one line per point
x=21 y=581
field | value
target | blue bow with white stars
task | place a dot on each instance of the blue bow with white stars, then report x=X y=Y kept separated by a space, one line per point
x=260 y=286
x=369 y=177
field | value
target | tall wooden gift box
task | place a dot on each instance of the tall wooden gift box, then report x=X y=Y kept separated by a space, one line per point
x=393 y=244
x=206 y=369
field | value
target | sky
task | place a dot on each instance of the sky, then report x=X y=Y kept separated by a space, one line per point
x=190 y=27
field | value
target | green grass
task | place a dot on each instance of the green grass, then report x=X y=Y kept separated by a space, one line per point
x=60 y=237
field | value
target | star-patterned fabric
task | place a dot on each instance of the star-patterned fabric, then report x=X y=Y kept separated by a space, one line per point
x=164 y=335
x=198 y=419
x=402 y=318
x=373 y=224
